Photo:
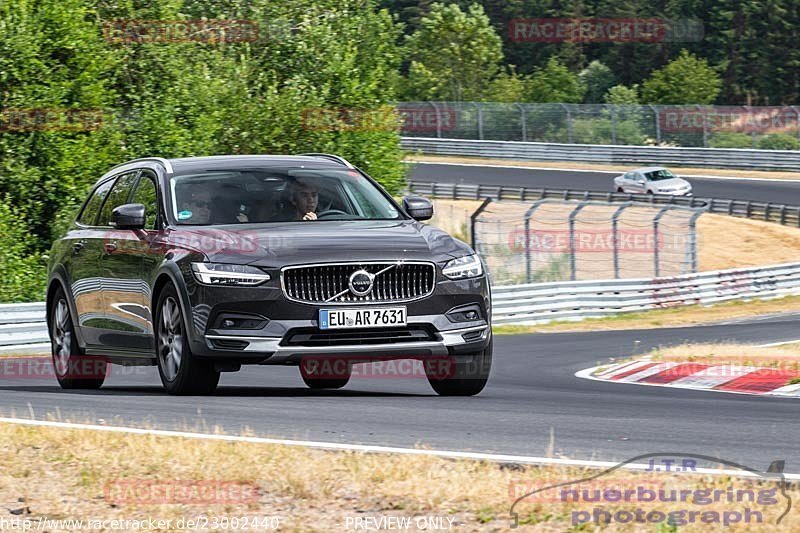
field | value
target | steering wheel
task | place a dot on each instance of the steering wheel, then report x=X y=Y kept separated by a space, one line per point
x=329 y=212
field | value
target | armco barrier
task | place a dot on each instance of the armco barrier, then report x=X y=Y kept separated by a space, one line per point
x=575 y=300
x=23 y=328
x=770 y=212
x=606 y=153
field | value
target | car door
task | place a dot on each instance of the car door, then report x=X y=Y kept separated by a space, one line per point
x=150 y=246
x=639 y=183
x=84 y=243
x=121 y=271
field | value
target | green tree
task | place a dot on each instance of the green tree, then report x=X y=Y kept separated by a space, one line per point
x=622 y=95
x=453 y=56
x=685 y=80
x=507 y=86
x=555 y=83
x=597 y=78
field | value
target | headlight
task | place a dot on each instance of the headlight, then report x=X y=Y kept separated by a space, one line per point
x=221 y=274
x=469 y=266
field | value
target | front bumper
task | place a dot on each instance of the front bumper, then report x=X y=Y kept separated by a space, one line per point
x=451 y=343
x=270 y=344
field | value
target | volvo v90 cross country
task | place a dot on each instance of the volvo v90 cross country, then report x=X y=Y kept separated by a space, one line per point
x=203 y=265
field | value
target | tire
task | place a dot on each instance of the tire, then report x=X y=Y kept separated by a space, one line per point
x=469 y=376
x=325 y=373
x=620 y=189
x=181 y=372
x=72 y=368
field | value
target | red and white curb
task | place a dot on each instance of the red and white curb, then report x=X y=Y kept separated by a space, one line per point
x=718 y=378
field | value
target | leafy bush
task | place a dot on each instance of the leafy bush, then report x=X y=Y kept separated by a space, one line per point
x=22 y=271
x=778 y=141
x=726 y=139
x=601 y=131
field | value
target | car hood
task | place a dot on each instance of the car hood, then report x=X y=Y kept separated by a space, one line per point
x=279 y=244
x=672 y=183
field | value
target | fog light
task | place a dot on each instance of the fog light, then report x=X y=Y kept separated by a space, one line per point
x=240 y=321
x=469 y=313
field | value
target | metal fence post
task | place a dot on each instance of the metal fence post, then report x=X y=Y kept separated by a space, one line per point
x=705 y=126
x=438 y=120
x=655 y=240
x=613 y=124
x=523 y=122
x=473 y=219
x=658 y=123
x=693 y=239
x=480 y=120
x=615 y=235
x=527 y=225
x=572 y=216
x=569 y=122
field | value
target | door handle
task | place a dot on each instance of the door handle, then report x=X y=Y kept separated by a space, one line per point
x=78 y=246
x=110 y=247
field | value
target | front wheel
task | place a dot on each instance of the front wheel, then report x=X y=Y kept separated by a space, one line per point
x=181 y=372
x=467 y=377
x=72 y=368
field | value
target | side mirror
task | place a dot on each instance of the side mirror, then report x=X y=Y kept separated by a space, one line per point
x=128 y=216
x=418 y=208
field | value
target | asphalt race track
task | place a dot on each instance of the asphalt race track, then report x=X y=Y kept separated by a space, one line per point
x=532 y=391
x=778 y=191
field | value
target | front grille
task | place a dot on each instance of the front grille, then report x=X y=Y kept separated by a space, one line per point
x=310 y=337
x=398 y=282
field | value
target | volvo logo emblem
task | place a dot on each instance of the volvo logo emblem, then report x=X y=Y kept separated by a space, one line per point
x=360 y=282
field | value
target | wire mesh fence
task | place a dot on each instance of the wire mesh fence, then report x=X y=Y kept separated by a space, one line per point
x=637 y=125
x=548 y=240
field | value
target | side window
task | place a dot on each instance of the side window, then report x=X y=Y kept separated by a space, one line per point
x=92 y=207
x=117 y=197
x=146 y=195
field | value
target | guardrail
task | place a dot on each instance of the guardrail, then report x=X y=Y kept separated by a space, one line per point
x=538 y=303
x=607 y=153
x=23 y=328
x=770 y=212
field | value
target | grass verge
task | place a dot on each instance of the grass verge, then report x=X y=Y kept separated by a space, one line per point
x=63 y=474
x=690 y=315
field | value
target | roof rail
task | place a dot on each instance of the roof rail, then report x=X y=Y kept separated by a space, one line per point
x=165 y=162
x=332 y=157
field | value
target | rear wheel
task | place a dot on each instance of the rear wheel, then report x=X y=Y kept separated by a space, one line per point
x=72 y=368
x=467 y=378
x=181 y=372
x=328 y=373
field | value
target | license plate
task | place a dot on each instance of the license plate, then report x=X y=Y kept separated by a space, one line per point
x=362 y=318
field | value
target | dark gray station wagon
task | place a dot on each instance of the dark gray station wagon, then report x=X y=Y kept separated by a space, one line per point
x=202 y=265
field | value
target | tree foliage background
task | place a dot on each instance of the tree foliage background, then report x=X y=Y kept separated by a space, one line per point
x=176 y=99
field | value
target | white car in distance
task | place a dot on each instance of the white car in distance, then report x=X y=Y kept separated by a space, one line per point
x=652 y=180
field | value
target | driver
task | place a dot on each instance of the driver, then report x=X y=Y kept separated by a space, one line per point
x=305 y=198
x=197 y=208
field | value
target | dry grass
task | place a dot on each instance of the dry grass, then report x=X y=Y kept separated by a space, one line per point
x=785 y=357
x=616 y=168
x=690 y=315
x=65 y=474
x=726 y=242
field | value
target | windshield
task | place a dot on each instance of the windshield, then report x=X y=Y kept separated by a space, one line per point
x=658 y=175
x=277 y=195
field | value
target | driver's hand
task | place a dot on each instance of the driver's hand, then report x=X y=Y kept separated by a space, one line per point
x=310 y=216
